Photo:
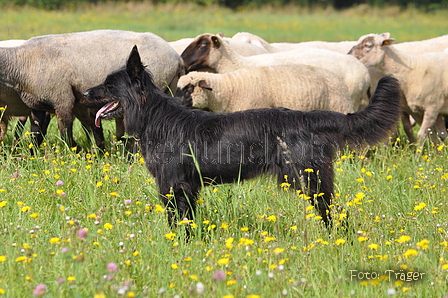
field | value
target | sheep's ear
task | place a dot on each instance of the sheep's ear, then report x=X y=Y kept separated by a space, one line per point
x=216 y=41
x=134 y=66
x=220 y=34
x=385 y=35
x=203 y=84
x=388 y=42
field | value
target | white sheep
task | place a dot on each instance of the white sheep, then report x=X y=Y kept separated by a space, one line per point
x=299 y=87
x=341 y=47
x=209 y=50
x=423 y=78
x=51 y=72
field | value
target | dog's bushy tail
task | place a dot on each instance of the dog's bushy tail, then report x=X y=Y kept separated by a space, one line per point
x=374 y=123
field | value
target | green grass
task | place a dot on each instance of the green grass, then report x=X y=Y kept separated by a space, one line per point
x=263 y=238
x=250 y=239
x=274 y=24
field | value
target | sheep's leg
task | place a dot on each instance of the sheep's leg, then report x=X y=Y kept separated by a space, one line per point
x=65 y=125
x=407 y=127
x=429 y=120
x=441 y=127
x=87 y=118
x=39 y=124
x=3 y=127
x=20 y=125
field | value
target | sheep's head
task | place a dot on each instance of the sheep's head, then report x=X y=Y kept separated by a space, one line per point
x=200 y=52
x=193 y=91
x=369 y=49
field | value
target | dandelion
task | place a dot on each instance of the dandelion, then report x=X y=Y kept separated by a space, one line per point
x=359 y=180
x=2 y=258
x=170 y=236
x=54 y=240
x=272 y=218
x=278 y=250
x=40 y=290
x=410 y=253
x=108 y=226
x=420 y=206
x=20 y=259
x=25 y=208
x=223 y=261
x=362 y=238
x=373 y=246
x=159 y=208
x=423 y=244
x=402 y=239
x=339 y=241
x=229 y=242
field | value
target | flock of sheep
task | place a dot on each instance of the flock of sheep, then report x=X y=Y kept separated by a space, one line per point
x=48 y=74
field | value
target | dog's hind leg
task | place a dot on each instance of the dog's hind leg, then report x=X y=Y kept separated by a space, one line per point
x=314 y=179
x=180 y=201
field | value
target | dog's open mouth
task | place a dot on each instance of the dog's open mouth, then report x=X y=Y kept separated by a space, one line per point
x=106 y=112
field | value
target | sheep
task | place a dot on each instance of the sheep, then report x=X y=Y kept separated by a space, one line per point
x=217 y=55
x=299 y=87
x=423 y=78
x=10 y=99
x=243 y=48
x=436 y=44
x=341 y=47
x=51 y=72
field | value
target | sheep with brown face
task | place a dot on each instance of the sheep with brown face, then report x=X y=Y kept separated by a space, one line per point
x=423 y=78
x=241 y=47
x=298 y=87
x=209 y=51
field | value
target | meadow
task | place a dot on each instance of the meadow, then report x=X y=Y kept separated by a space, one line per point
x=90 y=224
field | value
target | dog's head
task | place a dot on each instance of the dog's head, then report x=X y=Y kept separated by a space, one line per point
x=120 y=90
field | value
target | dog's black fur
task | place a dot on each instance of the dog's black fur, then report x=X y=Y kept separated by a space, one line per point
x=240 y=145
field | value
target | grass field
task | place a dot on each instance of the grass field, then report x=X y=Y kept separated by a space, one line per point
x=91 y=225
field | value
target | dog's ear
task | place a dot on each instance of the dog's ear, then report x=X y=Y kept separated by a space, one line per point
x=134 y=66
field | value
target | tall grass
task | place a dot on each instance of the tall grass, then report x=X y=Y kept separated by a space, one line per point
x=91 y=225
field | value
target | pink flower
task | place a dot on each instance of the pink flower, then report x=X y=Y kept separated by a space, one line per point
x=59 y=183
x=112 y=267
x=82 y=234
x=40 y=290
x=127 y=202
x=219 y=275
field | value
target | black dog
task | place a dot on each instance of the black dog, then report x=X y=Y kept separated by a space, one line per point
x=184 y=147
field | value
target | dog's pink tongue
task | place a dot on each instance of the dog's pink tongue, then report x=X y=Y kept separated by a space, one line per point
x=101 y=111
